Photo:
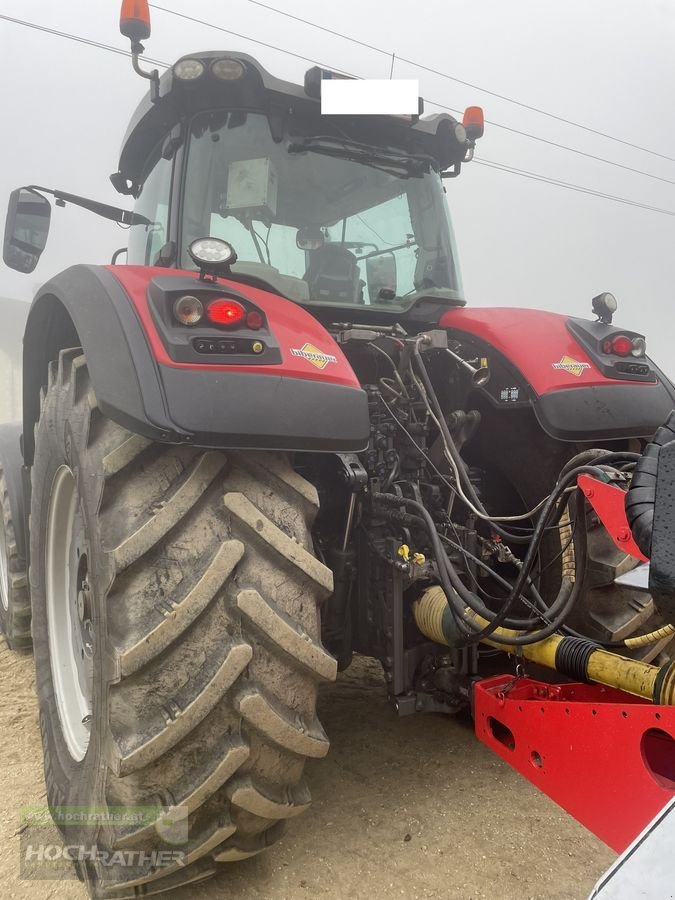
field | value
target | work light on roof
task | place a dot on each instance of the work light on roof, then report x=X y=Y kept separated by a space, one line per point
x=227 y=69
x=188 y=69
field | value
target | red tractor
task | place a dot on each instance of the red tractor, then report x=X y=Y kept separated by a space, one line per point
x=276 y=437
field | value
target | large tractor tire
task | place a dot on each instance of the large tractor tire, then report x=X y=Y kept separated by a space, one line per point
x=523 y=464
x=14 y=595
x=177 y=640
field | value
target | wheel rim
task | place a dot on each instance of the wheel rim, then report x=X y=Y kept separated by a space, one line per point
x=69 y=614
x=4 y=566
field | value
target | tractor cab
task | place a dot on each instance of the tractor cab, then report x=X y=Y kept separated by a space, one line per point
x=339 y=211
x=335 y=212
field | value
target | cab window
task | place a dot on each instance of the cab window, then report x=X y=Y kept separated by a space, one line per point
x=145 y=241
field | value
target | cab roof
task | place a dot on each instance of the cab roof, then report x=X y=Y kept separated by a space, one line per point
x=259 y=91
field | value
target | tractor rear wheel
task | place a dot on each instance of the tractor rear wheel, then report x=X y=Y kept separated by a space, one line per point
x=14 y=596
x=176 y=630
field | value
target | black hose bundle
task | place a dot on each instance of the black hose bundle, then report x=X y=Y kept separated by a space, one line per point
x=459 y=597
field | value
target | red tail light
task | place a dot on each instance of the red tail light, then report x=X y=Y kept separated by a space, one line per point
x=254 y=320
x=225 y=312
x=622 y=345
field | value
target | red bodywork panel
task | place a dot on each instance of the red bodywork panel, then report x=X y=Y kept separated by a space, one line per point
x=606 y=757
x=292 y=327
x=534 y=341
x=609 y=502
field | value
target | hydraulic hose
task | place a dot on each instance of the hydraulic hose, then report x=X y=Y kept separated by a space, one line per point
x=443 y=425
x=577 y=659
x=595 y=456
x=460 y=598
x=551 y=508
x=518 y=623
x=457 y=593
x=568 y=593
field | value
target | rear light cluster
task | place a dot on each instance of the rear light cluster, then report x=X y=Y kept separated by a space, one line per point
x=224 y=312
x=623 y=345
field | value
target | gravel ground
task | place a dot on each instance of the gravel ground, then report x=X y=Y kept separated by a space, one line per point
x=412 y=808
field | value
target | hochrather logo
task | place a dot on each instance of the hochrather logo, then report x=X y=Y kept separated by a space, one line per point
x=314 y=356
x=572 y=366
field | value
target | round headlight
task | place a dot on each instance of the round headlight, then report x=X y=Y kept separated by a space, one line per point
x=188 y=69
x=212 y=252
x=460 y=133
x=188 y=310
x=227 y=69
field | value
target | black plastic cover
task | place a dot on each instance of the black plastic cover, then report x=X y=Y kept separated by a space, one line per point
x=604 y=412
x=232 y=409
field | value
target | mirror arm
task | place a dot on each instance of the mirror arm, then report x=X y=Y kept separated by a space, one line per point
x=114 y=213
x=392 y=249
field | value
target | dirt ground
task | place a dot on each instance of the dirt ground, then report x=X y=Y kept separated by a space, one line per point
x=412 y=808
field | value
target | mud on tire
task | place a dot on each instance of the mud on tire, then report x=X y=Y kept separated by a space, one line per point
x=207 y=653
x=14 y=595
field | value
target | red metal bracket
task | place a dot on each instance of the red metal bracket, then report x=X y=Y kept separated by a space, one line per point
x=609 y=502
x=606 y=757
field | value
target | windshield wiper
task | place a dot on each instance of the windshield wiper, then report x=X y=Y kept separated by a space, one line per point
x=400 y=164
x=114 y=213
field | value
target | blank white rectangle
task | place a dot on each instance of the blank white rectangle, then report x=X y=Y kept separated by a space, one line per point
x=370 y=97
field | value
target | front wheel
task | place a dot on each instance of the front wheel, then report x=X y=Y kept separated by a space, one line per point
x=176 y=630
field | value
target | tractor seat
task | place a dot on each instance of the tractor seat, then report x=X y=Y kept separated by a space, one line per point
x=333 y=275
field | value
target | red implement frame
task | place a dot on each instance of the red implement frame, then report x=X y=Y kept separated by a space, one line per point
x=606 y=757
x=609 y=502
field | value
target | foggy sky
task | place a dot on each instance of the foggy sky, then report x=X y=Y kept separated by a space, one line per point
x=609 y=64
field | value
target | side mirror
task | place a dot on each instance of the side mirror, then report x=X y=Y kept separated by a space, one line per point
x=381 y=277
x=26 y=229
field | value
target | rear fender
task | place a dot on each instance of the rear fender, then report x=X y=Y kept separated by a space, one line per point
x=292 y=405
x=537 y=362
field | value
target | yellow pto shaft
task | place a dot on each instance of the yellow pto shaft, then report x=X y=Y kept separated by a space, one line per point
x=600 y=666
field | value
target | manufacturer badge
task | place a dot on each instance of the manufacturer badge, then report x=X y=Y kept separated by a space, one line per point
x=314 y=356
x=572 y=366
